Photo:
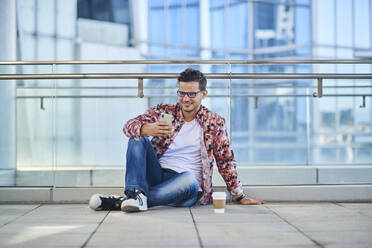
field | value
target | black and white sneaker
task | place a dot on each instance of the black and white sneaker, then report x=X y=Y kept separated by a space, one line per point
x=104 y=202
x=135 y=201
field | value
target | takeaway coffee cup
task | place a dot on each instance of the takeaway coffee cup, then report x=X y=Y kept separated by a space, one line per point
x=219 y=202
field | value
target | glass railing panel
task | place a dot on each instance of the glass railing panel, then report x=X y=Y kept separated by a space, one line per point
x=91 y=146
x=35 y=128
x=7 y=128
x=69 y=132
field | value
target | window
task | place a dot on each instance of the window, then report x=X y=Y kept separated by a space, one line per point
x=116 y=11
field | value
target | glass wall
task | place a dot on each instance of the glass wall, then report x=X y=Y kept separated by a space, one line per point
x=342 y=125
x=173 y=29
x=74 y=127
x=265 y=130
x=279 y=129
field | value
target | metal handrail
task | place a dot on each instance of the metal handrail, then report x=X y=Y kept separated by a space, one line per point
x=251 y=62
x=175 y=96
x=176 y=87
x=176 y=75
x=140 y=76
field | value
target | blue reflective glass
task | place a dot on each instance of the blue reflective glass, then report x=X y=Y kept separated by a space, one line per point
x=217 y=25
x=240 y=113
x=156 y=3
x=192 y=26
x=217 y=3
x=344 y=22
x=325 y=22
x=174 y=25
x=120 y=11
x=303 y=2
x=274 y=24
x=174 y=3
x=45 y=18
x=193 y=2
x=156 y=23
x=193 y=52
x=362 y=23
x=302 y=26
x=238 y=26
x=156 y=50
x=174 y=51
x=264 y=15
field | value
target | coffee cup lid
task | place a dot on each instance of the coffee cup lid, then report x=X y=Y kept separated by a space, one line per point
x=219 y=194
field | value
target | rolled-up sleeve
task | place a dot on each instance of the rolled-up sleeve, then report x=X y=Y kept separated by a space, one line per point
x=132 y=129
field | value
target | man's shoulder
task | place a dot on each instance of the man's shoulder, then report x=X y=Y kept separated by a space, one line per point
x=211 y=115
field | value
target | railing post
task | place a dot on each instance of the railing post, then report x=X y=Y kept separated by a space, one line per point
x=319 y=94
x=320 y=87
x=140 y=88
x=256 y=102
x=364 y=103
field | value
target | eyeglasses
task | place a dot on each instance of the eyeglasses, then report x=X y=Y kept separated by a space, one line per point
x=189 y=94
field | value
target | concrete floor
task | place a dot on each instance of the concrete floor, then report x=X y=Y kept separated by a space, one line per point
x=271 y=225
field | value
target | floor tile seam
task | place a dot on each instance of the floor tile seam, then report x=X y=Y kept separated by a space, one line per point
x=196 y=229
x=20 y=216
x=95 y=230
x=352 y=210
x=298 y=229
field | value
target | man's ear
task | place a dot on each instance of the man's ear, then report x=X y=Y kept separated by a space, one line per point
x=205 y=93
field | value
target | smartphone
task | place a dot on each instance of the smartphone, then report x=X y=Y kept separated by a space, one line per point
x=166 y=118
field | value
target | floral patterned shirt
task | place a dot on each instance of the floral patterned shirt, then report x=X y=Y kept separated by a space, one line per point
x=215 y=144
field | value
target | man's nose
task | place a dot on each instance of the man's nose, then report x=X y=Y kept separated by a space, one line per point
x=186 y=97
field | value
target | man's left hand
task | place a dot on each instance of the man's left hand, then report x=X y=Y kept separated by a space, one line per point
x=250 y=201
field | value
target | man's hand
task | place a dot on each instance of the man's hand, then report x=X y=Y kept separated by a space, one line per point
x=156 y=129
x=249 y=201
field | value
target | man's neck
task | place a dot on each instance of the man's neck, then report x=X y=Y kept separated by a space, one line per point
x=189 y=116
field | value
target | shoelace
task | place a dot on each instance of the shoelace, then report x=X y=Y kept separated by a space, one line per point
x=111 y=202
x=134 y=195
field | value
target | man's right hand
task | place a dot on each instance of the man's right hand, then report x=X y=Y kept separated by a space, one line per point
x=156 y=129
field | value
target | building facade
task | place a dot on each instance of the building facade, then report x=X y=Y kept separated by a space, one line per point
x=81 y=126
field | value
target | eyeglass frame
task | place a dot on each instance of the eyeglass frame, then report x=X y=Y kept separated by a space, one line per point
x=188 y=93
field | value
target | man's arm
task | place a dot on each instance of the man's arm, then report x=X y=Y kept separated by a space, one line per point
x=147 y=124
x=156 y=129
x=226 y=165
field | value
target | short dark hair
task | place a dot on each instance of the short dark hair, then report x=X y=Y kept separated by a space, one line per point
x=192 y=75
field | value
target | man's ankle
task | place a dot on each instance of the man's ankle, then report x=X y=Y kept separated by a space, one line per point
x=133 y=190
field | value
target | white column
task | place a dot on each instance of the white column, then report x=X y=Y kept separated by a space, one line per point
x=205 y=39
x=205 y=33
x=7 y=94
x=315 y=151
x=140 y=24
x=251 y=111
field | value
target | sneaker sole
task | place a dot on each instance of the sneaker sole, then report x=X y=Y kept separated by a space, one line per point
x=128 y=209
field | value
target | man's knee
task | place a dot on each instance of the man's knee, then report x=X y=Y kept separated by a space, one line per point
x=137 y=144
x=189 y=179
x=143 y=140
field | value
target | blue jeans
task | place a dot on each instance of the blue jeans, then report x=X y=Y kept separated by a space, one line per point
x=161 y=186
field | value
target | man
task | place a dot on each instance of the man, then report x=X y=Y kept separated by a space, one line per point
x=176 y=167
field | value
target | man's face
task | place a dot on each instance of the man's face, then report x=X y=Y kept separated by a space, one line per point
x=191 y=104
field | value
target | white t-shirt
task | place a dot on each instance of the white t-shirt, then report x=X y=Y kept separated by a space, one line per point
x=184 y=152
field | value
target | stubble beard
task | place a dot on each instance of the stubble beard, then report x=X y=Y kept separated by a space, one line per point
x=188 y=110
x=193 y=109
